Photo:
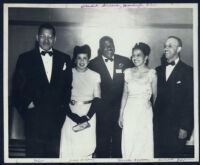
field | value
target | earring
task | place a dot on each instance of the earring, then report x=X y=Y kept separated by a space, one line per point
x=145 y=61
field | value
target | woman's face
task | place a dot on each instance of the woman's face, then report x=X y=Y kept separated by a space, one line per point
x=138 y=57
x=82 y=61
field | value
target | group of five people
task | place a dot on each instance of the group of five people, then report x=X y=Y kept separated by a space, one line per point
x=109 y=107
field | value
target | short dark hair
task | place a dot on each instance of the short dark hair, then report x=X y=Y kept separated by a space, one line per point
x=143 y=47
x=101 y=42
x=178 y=39
x=81 y=49
x=47 y=26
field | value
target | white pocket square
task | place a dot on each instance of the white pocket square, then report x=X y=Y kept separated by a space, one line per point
x=31 y=105
x=178 y=82
x=64 y=66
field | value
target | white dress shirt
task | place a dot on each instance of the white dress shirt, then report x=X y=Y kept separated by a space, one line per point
x=109 y=65
x=170 y=68
x=47 y=61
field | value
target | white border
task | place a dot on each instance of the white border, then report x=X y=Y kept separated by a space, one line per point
x=194 y=6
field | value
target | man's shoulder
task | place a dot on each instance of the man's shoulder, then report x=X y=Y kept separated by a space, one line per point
x=96 y=59
x=186 y=67
x=120 y=57
x=124 y=60
x=27 y=54
x=94 y=62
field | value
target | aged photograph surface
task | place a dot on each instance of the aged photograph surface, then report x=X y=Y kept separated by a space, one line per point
x=101 y=82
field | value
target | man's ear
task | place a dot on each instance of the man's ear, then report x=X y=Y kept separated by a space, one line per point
x=54 y=39
x=37 y=38
x=179 y=49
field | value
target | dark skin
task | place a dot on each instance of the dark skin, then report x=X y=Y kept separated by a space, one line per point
x=108 y=49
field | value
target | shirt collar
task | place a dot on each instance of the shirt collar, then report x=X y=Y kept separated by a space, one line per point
x=50 y=50
x=104 y=58
x=176 y=61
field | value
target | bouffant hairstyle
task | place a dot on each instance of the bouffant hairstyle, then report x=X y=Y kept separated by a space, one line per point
x=81 y=49
x=144 y=48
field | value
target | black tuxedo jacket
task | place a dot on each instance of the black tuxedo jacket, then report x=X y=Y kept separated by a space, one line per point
x=174 y=105
x=30 y=84
x=111 y=89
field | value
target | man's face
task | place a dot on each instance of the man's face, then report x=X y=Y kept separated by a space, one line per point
x=108 y=49
x=171 y=49
x=46 y=39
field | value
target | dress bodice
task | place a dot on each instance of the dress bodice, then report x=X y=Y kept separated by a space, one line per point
x=83 y=84
x=139 y=87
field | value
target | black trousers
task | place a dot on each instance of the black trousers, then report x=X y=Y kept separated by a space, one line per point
x=168 y=145
x=108 y=134
x=46 y=146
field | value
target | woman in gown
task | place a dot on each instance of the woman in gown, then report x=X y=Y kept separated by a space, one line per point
x=84 y=100
x=136 y=115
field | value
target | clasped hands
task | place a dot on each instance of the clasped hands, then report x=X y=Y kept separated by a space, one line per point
x=79 y=119
x=74 y=116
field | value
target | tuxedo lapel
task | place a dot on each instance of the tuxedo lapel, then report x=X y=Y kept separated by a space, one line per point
x=163 y=75
x=55 y=68
x=40 y=66
x=174 y=74
x=104 y=69
x=117 y=66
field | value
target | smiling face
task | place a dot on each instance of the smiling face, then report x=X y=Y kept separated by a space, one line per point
x=46 y=39
x=108 y=49
x=82 y=61
x=171 y=49
x=138 y=57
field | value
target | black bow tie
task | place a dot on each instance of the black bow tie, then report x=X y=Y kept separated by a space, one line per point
x=45 y=52
x=108 y=59
x=170 y=63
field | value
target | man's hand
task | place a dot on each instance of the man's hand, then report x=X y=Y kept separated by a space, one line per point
x=31 y=105
x=182 y=134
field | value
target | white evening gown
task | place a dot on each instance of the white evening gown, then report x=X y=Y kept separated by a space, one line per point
x=83 y=143
x=137 y=133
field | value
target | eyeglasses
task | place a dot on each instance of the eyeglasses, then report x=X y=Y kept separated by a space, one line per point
x=46 y=37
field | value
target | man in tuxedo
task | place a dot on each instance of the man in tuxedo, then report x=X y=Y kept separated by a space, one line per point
x=173 y=111
x=41 y=91
x=110 y=66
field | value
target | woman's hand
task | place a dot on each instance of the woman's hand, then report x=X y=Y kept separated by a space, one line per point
x=120 y=121
x=83 y=119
